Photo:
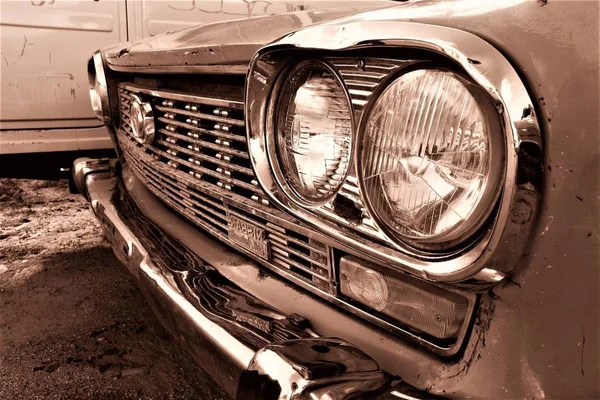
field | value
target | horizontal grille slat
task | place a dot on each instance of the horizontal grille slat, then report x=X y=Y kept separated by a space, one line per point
x=366 y=76
x=183 y=97
x=205 y=143
x=183 y=210
x=217 y=134
x=189 y=209
x=287 y=262
x=288 y=250
x=203 y=170
x=199 y=165
x=158 y=183
x=194 y=202
x=214 y=160
x=356 y=84
x=174 y=173
x=200 y=115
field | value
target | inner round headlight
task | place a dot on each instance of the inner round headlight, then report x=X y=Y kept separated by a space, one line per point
x=313 y=134
x=431 y=158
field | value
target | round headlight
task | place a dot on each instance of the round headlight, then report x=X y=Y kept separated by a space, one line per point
x=431 y=158
x=313 y=134
x=96 y=102
x=98 y=88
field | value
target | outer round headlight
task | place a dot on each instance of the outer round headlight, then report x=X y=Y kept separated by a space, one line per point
x=98 y=88
x=431 y=159
x=96 y=102
x=313 y=132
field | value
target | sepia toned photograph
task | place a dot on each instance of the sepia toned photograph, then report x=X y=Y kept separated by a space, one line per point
x=299 y=199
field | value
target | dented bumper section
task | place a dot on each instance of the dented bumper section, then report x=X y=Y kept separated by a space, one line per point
x=251 y=349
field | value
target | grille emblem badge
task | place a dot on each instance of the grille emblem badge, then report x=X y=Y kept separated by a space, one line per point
x=141 y=120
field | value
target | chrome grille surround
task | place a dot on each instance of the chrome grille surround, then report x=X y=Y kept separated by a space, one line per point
x=198 y=165
x=298 y=252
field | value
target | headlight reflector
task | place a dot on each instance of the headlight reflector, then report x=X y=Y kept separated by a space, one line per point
x=431 y=158
x=313 y=132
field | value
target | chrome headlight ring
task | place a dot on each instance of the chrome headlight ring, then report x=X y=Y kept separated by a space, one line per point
x=424 y=157
x=99 y=88
x=278 y=151
x=498 y=247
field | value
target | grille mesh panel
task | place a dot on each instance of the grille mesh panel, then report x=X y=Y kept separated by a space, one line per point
x=198 y=165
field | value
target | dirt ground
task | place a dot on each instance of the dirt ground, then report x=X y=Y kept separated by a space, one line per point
x=73 y=323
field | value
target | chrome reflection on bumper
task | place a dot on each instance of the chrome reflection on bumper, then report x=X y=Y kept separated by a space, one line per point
x=83 y=166
x=251 y=349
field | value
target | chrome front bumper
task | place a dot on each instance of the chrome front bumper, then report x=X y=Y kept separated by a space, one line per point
x=251 y=349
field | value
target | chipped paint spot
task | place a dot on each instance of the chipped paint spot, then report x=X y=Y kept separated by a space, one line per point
x=547 y=226
x=123 y=52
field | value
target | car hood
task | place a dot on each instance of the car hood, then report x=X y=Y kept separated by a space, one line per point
x=228 y=44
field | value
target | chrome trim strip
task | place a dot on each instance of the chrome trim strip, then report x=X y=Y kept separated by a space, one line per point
x=502 y=244
x=272 y=149
x=234 y=69
x=174 y=95
x=99 y=75
x=199 y=115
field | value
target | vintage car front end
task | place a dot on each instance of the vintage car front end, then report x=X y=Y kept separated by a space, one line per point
x=332 y=205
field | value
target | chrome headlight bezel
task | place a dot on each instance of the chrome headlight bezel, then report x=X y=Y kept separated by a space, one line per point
x=99 y=88
x=487 y=256
x=274 y=111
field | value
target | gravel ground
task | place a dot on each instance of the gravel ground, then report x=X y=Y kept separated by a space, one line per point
x=73 y=323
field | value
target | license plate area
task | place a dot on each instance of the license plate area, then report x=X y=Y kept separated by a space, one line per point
x=249 y=236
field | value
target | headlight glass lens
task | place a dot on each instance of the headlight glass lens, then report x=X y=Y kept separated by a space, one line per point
x=313 y=132
x=96 y=101
x=428 y=170
x=98 y=88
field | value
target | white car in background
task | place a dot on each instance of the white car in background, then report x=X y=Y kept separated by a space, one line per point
x=45 y=46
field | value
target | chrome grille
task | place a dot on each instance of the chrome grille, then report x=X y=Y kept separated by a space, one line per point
x=198 y=165
x=205 y=137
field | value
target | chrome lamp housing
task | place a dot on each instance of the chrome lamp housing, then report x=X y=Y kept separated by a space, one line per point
x=99 y=88
x=370 y=176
